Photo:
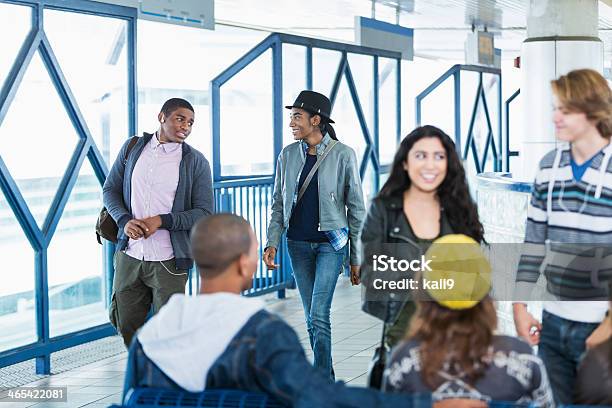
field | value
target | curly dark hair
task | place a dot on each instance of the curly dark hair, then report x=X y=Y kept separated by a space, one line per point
x=453 y=193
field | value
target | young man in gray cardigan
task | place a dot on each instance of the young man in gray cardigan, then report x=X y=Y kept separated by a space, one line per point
x=156 y=195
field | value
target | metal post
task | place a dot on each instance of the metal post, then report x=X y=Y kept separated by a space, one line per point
x=43 y=362
x=457 y=86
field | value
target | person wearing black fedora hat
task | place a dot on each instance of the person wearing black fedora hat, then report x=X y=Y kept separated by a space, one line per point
x=318 y=200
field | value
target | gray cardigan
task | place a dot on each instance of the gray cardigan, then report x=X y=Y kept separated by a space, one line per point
x=193 y=198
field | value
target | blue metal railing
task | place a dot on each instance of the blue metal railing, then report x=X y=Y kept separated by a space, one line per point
x=509 y=153
x=252 y=199
x=491 y=145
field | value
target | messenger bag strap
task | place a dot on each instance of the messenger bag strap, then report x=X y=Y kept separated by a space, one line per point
x=314 y=169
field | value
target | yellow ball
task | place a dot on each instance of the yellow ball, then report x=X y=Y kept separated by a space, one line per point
x=459 y=275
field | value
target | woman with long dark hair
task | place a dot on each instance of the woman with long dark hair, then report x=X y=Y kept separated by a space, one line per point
x=425 y=196
x=452 y=352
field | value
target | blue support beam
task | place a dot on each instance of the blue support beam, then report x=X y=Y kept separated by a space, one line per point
x=398 y=103
x=457 y=96
x=309 y=68
x=509 y=153
x=376 y=118
x=277 y=96
x=43 y=362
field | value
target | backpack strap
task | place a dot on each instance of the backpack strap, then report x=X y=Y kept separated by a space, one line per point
x=132 y=143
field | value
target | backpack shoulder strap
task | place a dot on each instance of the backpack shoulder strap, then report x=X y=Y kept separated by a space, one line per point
x=133 y=141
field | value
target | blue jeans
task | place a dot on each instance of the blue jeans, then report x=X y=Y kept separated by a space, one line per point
x=562 y=344
x=316 y=267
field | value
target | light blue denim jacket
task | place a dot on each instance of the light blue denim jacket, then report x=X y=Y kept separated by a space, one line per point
x=340 y=195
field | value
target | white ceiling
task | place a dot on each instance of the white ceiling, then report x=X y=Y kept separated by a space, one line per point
x=440 y=25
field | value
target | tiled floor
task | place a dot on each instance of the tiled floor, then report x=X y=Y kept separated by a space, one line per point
x=355 y=335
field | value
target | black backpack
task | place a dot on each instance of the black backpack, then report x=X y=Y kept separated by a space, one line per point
x=106 y=227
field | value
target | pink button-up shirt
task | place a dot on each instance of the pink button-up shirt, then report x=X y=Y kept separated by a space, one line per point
x=154 y=182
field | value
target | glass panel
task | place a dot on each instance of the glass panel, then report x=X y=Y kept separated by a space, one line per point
x=15 y=23
x=347 y=123
x=417 y=75
x=101 y=54
x=362 y=68
x=198 y=56
x=77 y=284
x=431 y=114
x=294 y=81
x=387 y=109
x=37 y=117
x=324 y=68
x=368 y=184
x=17 y=308
x=246 y=120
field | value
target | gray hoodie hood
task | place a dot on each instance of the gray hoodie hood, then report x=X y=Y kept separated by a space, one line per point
x=189 y=333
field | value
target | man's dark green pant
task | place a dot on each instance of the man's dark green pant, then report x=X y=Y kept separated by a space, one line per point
x=138 y=285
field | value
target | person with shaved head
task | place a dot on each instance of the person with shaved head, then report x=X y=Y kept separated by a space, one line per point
x=220 y=339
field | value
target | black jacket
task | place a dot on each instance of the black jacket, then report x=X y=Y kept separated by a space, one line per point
x=386 y=231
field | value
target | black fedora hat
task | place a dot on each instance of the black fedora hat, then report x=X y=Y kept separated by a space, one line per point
x=315 y=103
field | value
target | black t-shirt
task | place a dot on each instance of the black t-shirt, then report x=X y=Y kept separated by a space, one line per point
x=304 y=222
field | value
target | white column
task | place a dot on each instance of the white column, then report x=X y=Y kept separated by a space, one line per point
x=561 y=36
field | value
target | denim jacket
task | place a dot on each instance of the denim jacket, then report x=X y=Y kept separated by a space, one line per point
x=266 y=356
x=340 y=195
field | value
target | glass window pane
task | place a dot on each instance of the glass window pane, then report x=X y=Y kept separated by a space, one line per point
x=347 y=122
x=87 y=47
x=37 y=118
x=417 y=75
x=431 y=114
x=76 y=277
x=369 y=184
x=201 y=55
x=294 y=81
x=362 y=68
x=246 y=120
x=17 y=308
x=15 y=23
x=387 y=108
x=324 y=68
